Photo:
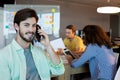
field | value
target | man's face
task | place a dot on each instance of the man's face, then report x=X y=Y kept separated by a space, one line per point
x=27 y=29
x=69 y=33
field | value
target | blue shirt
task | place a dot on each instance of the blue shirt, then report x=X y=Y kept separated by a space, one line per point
x=102 y=62
x=31 y=73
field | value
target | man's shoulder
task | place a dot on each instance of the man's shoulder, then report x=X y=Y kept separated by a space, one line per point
x=5 y=52
x=5 y=49
x=78 y=38
x=65 y=39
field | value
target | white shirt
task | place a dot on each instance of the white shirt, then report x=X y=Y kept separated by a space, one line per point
x=117 y=76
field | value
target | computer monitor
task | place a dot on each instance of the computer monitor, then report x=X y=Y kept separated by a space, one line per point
x=79 y=33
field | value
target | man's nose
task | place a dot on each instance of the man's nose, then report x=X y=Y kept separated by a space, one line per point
x=32 y=29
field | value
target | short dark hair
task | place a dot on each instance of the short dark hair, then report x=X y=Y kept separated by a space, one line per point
x=72 y=27
x=23 y=14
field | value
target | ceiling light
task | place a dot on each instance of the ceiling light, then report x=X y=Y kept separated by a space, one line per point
x=108 y=9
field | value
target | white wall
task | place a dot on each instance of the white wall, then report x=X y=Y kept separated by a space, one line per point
x=73 y=13
x=1 y=28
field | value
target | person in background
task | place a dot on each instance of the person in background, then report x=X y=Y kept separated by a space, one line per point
x=99 y=53
x=73 y=42
x=20 y=60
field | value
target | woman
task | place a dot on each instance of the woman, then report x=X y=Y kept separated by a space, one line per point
x=99 y=53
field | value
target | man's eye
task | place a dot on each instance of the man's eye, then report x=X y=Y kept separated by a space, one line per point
x=26 y=25
x=68 y=32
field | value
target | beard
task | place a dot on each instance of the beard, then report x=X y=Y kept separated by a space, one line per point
x=30 y=38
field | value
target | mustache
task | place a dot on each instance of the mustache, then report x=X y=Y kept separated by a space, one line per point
x=30 y=33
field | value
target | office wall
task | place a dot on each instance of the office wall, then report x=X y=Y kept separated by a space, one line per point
x=71 y=13
x=119 y=24
x=74 y=13
x=1 y=28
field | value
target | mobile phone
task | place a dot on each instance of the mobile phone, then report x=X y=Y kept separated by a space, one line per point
x=68 y=52
x=38 y=36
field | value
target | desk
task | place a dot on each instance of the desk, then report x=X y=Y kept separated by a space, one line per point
x=69 y=71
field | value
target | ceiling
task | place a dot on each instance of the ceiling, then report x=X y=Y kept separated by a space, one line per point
x=95 y=2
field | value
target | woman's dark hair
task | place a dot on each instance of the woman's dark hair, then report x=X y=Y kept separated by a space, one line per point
x=23 y=14
x=94 y=34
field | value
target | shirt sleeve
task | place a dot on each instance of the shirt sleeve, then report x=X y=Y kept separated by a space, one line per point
x=80 y=45
x=65 y=42
x=87 y=55
x=4 y=69
x=57 y=69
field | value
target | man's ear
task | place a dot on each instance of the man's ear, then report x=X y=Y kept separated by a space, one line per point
x=16 y=26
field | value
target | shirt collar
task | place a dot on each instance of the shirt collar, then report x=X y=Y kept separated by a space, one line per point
x=17 y=47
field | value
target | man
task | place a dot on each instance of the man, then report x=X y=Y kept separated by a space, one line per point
x=20 y=60
x=73 y=42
